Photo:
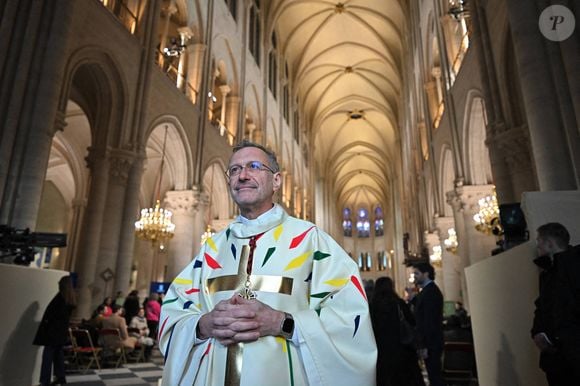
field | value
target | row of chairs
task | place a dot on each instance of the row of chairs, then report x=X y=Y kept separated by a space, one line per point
x=85 y=353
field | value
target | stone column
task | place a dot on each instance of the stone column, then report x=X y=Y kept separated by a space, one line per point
x=144 y=255
x=185 y=34
x=127 y=239
x=167 y=12
x=120 y=165
x=184 y=204
x=74 y=233
x=32 y=172
x=233 y=108
x=90 y=238
x=451 y=274
x=196 y=53
x=225 y=90
x=554 y=168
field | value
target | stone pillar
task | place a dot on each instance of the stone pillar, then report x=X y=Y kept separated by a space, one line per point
x=145 y=261
x=513 y=147
x=185 y=34
x=29 y=123
x=127 y=239
x=167 y=12
x=32 y=172
x=554 y=168
x=90 y=238
x=196 y=53
x=74 y=233
x=225 y=90
x=451 y=274
x=184 y=204
x=233 y=108
x=120 y=165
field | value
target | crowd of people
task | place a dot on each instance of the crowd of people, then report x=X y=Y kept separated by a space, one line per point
x=136 y=322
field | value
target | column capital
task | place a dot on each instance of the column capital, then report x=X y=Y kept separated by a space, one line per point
x=225 y=89
x=185 y=33
x=59 y=122
x=514 y=145
x=120 y=163
x=466 y=197
x=185 y=202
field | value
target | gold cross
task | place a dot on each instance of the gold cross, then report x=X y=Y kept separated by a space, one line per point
x=247 y=285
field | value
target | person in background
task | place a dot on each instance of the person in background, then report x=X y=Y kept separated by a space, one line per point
x=397 y=362
x=152 y=312
x=108 y=306
x=53 y=333
x=119 y=299
x=139 y=323
x=131 y=305
x=429 y=317
x=117 y=321
x=556 y=325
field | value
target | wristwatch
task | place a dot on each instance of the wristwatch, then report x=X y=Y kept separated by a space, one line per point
x=287 y=326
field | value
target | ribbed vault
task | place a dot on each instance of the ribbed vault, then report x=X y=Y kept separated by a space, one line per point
x=345 y=60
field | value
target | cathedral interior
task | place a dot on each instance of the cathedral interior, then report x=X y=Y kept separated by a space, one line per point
x=402 y=127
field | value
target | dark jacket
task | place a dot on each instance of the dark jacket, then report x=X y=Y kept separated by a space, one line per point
x=53 y=329
x=429 y=317
x=558 y=306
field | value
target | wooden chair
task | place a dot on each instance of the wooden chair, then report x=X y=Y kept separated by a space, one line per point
x=83 y=348
x=113 y=347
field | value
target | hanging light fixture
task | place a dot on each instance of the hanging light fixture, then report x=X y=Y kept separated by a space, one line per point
x=435 y=258
x=487 y=219
x=209 y=231
x=155 y=224
x=451 y=242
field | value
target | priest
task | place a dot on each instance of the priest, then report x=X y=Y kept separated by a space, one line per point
x=270 y=300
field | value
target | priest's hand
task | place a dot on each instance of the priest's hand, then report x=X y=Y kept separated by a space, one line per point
x=269 y=320
x=239 y=320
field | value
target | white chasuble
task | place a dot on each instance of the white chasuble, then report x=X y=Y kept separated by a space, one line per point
x=293 y=267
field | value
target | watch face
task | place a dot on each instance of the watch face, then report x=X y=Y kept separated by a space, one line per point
x=288 y=326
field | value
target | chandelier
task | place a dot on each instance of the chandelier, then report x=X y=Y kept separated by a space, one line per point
x=451 y=242
x=487 y=219
x=155 y=224
x=435 y=258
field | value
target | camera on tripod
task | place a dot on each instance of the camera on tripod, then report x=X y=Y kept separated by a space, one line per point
x=21 y=245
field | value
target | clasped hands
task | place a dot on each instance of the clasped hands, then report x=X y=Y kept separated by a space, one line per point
x=238 y=320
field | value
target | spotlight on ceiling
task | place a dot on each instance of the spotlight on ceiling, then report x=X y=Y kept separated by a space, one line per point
x=356 y=114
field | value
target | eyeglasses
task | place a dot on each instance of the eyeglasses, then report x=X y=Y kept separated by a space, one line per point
x=252 y=167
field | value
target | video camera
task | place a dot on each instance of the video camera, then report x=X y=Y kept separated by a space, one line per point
x=20 y=244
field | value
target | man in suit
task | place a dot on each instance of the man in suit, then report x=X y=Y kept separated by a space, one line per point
x=556 y=328
x=429 y=319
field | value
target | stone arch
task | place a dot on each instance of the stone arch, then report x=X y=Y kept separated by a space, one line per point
x=216 y=187
x=94 y=83
x=476 y=153
x=174 y=176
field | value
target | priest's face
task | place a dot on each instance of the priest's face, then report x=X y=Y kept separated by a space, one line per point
x=252 y=184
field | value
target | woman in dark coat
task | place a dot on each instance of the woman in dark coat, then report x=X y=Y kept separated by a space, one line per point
x=53 y=332
x=397 y=363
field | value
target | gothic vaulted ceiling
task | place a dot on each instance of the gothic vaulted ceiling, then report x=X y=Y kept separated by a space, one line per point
x=345 y=63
